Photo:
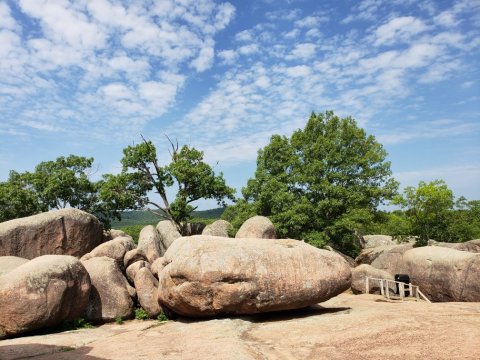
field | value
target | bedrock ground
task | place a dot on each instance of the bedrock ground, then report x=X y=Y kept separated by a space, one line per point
x=347 y=326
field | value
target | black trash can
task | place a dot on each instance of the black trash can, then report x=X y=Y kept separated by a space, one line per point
x=404 y=278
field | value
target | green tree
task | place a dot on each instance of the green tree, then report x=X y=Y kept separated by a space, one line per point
x=434 y=214
x=64 y=182
x=428 y=209
x=323 y=183
x=17 y=198
x=187 y=172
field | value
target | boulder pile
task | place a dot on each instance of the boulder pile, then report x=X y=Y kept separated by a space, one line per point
x=42 y=284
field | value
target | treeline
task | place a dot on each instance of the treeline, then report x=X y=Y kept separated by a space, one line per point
x=324 y=184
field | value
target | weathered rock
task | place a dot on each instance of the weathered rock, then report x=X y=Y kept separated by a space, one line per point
x=60 y=232
x=157 y=266
x=149 y=243
x=372 y=241
x=387 y=258
x=257 y=227
x=147 y=292
x=114 y=249
x=207 y=275
x=444 y=274
x=470 y=246
x=348 y=259
x=109 y=298
x=168 y=233
x=114 y=233
x=361 y=272
x=131 y=291
x=132 y=256
x=218 y=228
x=133 y=269
x=8 y=263
x=42 y=292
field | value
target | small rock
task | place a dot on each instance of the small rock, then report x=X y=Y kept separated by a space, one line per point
x=218 y=228
x=257 y=227
x=149 y=243
x=133 y=269
x=147 y=292
x=371 y=241
x=114 y=249
x=168 y=233
x=132 y=256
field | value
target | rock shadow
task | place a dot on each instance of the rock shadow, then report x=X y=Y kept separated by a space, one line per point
x=273 y=316
x=44 y=352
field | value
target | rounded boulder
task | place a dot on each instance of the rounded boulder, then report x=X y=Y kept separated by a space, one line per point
x=206 y=276
x=42 y=292
x=257 y=227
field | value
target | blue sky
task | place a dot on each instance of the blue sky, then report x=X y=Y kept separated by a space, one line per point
x=88 y=77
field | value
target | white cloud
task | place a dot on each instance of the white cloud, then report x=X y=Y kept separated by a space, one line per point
x=8 y=22
x=104 y=62
x=442 y=128
x=205 y=58
x=228 y=56
x=245 y=35
x=399 y=29
x=311 y=21
x=303 y=51
x=248 y=49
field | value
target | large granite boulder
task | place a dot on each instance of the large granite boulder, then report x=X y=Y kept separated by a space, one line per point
x=361 y=272
x=8 y=263
x=208 y=275
x=114 y=249
x=387 y=258
x=218 y=228
x=60 y=232
x=470 y=246
x=42 y=292
x=371 y=241
x=257 y=227
x=168 y=233
x=147 y=292
x=109 y=298
x=149 y=243
x=444 y=274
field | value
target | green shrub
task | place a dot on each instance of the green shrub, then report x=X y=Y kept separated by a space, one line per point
x=141 y=314
x=162 y=317
x=119 y=320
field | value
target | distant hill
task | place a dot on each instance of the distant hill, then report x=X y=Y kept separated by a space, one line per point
x=145 y=217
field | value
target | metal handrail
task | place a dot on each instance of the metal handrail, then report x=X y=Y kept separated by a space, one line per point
x=385 y=288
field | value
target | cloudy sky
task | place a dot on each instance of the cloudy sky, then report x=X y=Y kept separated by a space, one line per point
x=88 y=77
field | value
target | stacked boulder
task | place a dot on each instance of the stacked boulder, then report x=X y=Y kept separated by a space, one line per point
x=42 y=284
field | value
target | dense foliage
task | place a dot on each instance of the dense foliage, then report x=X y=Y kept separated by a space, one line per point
x=432 y=213
x=64 y=182
x=321 y=184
